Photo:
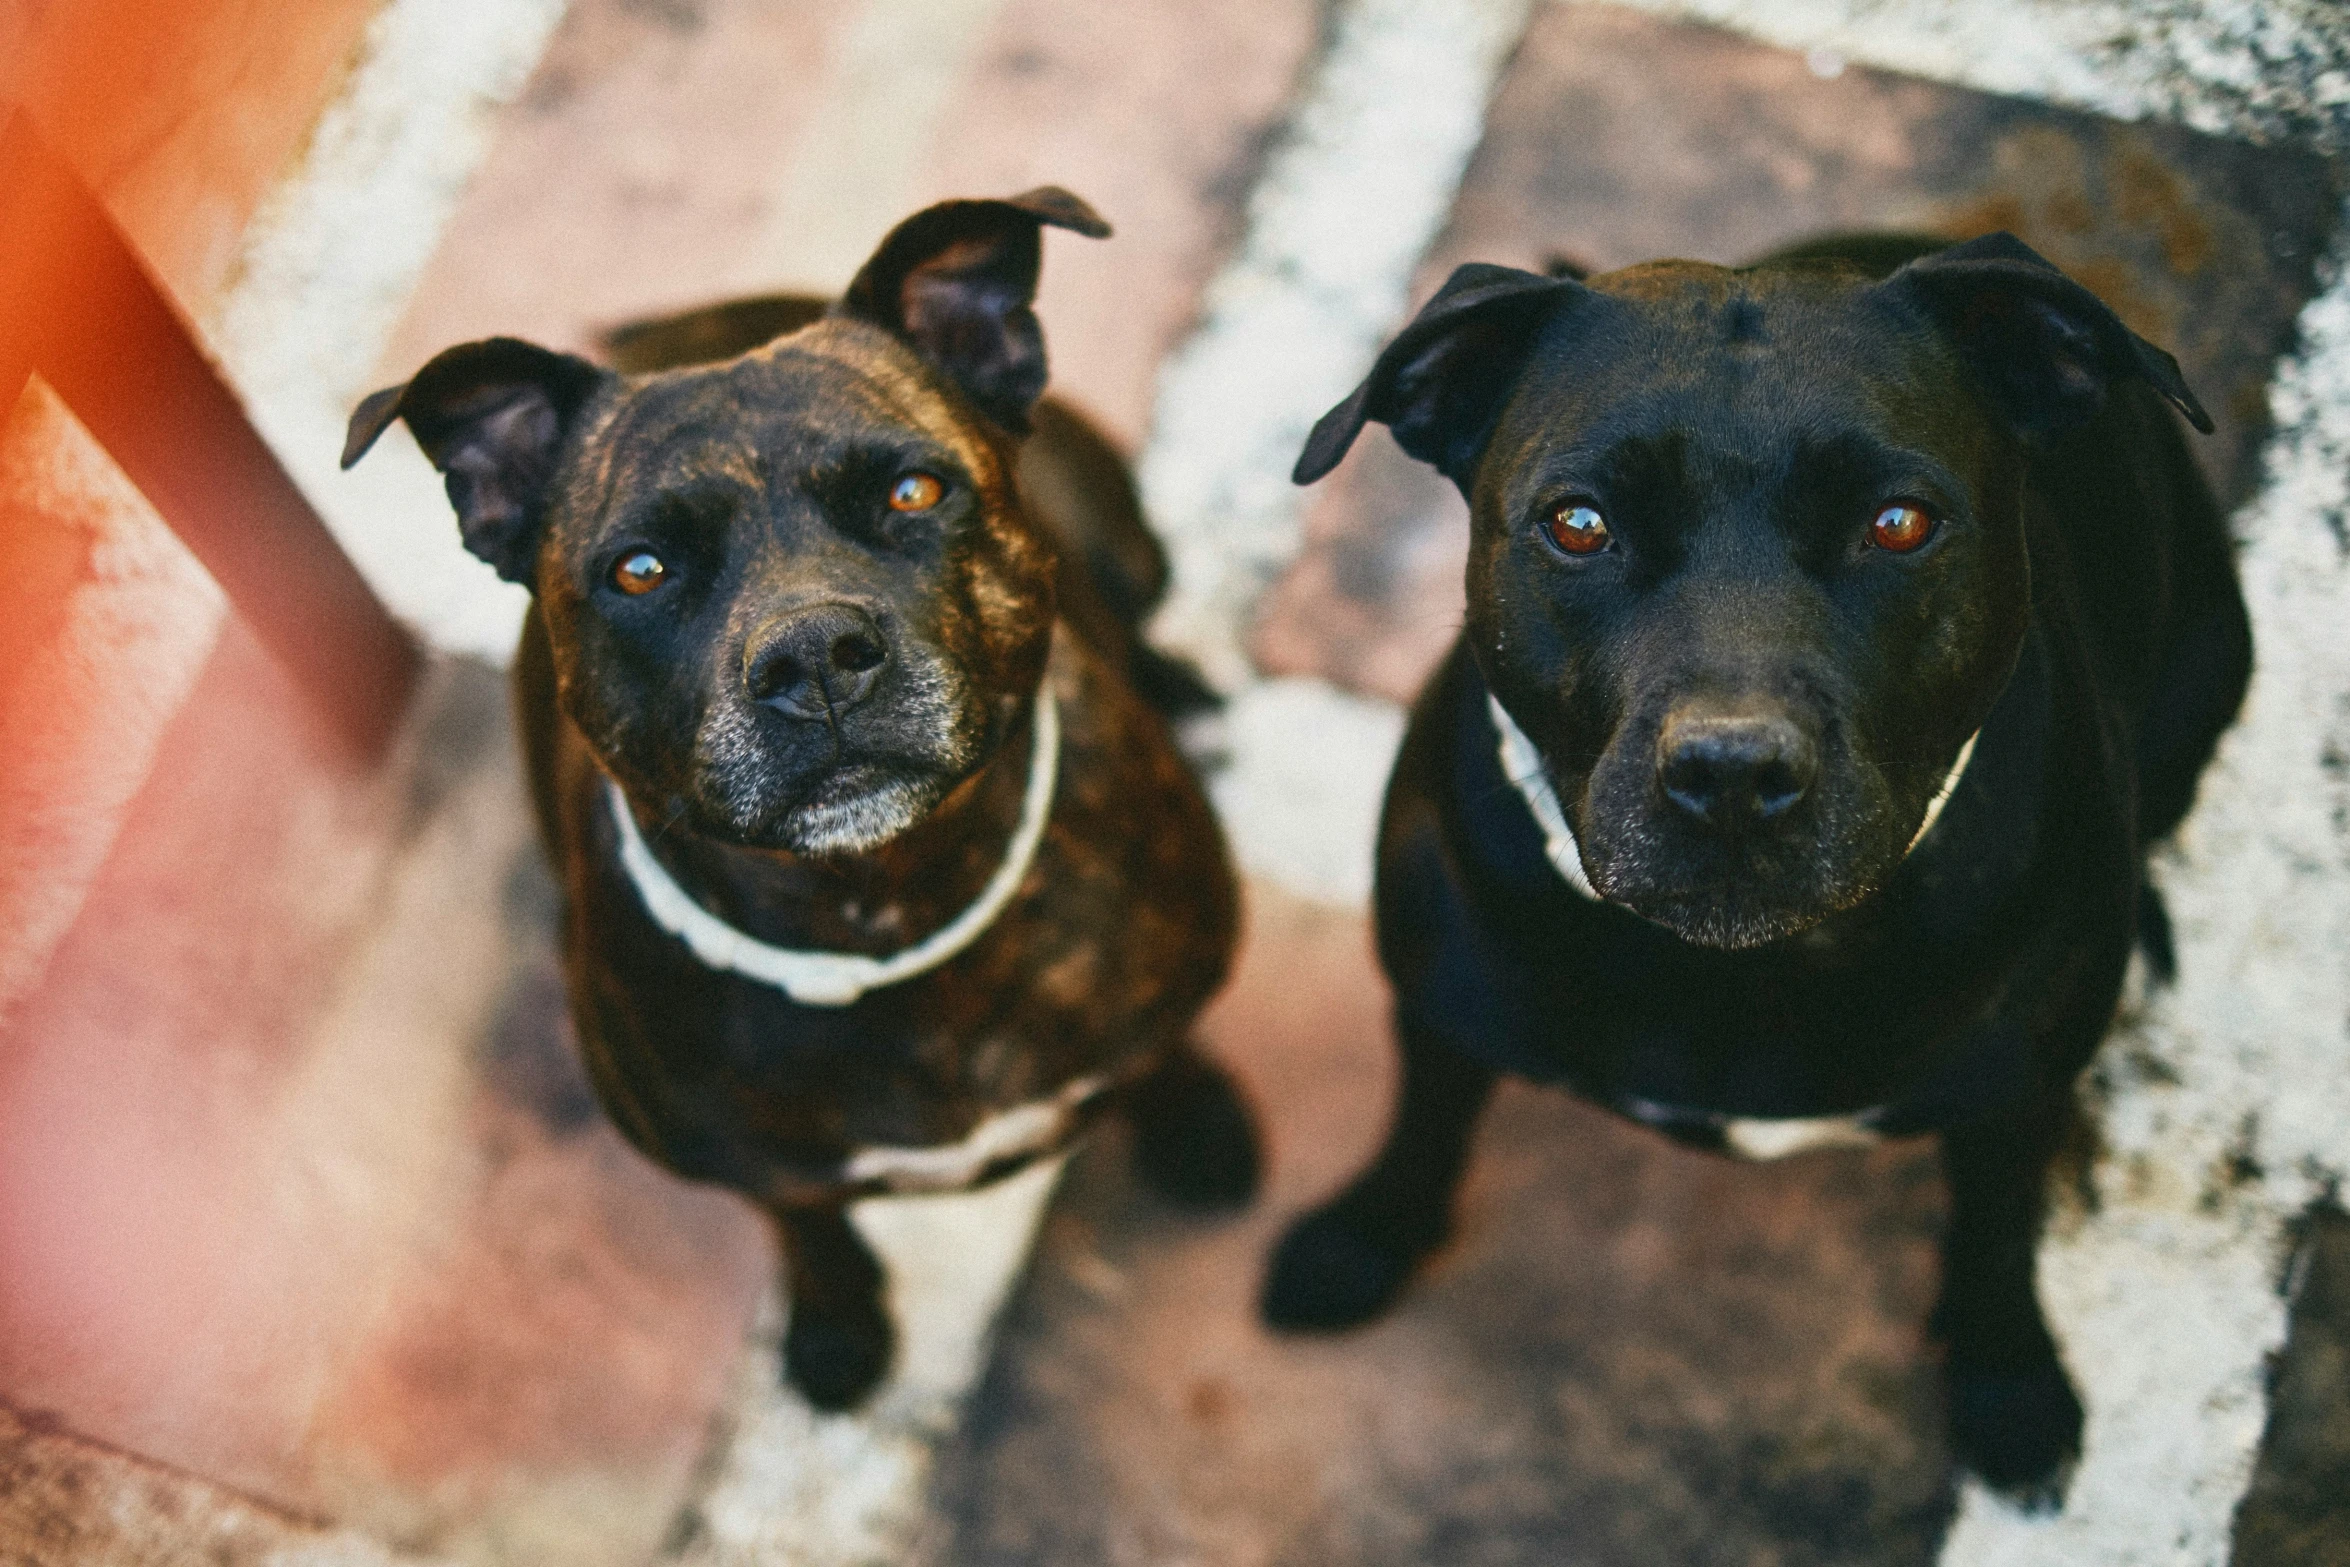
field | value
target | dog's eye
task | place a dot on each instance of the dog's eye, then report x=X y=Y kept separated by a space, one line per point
x=1900 y=528
x=915 y=492
x=1578 y=528
x=639 y=571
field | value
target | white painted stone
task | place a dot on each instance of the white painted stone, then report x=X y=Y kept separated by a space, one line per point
x=2232 y=67
x=1306 y=767
x=1346 y=208
x=875 y=115
x=326 y=269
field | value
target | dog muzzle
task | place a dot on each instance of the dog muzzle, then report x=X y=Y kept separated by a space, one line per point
x=1521 y=764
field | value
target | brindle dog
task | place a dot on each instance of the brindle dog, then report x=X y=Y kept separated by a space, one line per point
x=1841 y=632
x=811 y=698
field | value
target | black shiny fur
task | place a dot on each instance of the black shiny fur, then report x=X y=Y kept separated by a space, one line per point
x=1739 y=430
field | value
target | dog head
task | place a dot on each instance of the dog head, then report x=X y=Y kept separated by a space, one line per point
x=792 y=597
x=1748 y=557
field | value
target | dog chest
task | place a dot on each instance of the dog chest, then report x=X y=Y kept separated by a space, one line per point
x=1000 y=1141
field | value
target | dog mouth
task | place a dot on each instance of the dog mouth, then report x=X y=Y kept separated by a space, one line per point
x=816 y=789
x=1733 y=915
x=1730 y=894
x=854 y=807
x=857 y=809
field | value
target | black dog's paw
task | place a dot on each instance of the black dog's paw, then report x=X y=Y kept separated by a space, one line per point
x=836 y=1358
x=1195 y=1143
x=1330 y=1273
x=2018 y=1430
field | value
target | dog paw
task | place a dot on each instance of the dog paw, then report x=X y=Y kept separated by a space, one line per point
x=2018 y=1430
x=1195 y=1144
x=836 y=1358
x=1329 y=1274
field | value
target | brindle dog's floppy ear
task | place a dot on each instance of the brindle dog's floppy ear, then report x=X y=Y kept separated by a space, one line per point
x=492 y=417
x=957 y=281
x=1440 y=384
x=2045 y=348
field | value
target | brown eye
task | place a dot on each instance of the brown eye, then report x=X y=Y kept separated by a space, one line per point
x=1578 y=529
x=915 y=492
x=640 y=571
x=1900 y=528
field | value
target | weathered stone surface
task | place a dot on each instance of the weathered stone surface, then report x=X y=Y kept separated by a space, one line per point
x=67 y=1501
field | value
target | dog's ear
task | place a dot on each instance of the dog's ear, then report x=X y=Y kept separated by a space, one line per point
x=2044 y=347
x=957 y=281
x=1440 y=384
x=492 y=417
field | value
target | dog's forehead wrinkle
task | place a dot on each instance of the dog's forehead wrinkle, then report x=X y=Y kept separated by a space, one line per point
x=889 y=380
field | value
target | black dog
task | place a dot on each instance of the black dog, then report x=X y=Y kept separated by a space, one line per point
x=879 y=876
x=1767 y=568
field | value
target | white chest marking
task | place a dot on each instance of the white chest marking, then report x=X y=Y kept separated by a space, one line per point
x=1749 y=1138
x=1038 y=1126
x=837 y=979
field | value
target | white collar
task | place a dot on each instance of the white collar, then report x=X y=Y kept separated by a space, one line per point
x=1522 y=765
x=835 y=979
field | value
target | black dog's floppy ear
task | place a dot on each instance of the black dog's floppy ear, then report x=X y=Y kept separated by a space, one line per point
x=957 y=280
x=2045 y=347
x=1439 y=385
x=492 y=416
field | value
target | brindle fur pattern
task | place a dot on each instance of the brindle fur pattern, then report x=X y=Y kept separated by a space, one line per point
x=870 y=808
x=1123 y=928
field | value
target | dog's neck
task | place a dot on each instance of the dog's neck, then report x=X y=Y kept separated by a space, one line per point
x=827 y=929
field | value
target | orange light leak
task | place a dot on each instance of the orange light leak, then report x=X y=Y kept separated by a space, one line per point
x=91 y=319
x=181 y=875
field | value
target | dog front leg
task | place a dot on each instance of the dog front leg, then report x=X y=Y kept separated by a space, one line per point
x=840 y=1339
x=1345 y=1262
x=2014 y=1417
x=1194 y=1140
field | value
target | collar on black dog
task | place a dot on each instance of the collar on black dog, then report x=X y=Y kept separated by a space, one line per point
x=1521 y=764
x=835 y=979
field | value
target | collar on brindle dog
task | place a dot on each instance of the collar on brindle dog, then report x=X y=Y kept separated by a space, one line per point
x=1521 y=764
x=836 y=979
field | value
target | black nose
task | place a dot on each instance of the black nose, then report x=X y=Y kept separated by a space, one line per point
x=815 y=663
x=1730 y=770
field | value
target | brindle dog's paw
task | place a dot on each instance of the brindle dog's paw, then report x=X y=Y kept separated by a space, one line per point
x=2019 y=1430
x=1330 y=1273
x=835 y=1358
x=1195 y=1143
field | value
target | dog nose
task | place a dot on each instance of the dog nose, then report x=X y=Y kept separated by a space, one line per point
x=1730 y=770
x=815 y=663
